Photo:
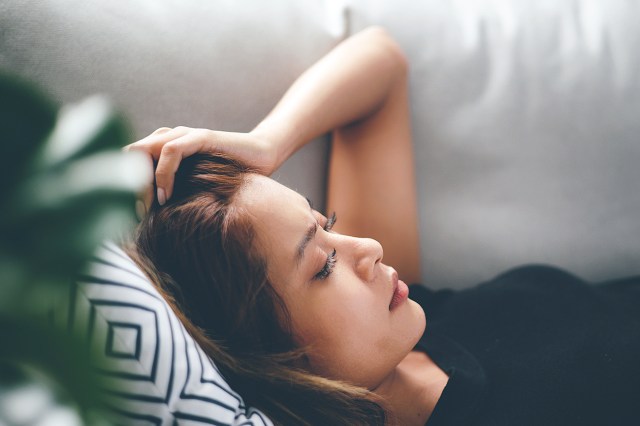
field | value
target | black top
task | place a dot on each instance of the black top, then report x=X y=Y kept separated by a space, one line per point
x=535 y=346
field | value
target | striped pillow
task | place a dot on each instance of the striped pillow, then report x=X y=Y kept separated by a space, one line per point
x=157 y=373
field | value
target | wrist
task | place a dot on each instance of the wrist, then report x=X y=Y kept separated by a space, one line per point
x=276 y=142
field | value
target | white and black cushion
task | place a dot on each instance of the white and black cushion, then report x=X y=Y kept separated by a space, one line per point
x=157 y=374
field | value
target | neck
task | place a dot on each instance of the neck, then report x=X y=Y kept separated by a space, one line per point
x=412 y=390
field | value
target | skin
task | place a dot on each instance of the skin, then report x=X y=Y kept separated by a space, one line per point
x=358 y=93
x=344 y=318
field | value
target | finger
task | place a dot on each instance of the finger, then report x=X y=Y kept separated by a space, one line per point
x=141 y=210
x=153 y=143
x=172 y=153
x=145 y=197
x=137 y=144
x=144 y=201
x=162 y=130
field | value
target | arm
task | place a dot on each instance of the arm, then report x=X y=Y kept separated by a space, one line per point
x=349 y=83
x=359 y=91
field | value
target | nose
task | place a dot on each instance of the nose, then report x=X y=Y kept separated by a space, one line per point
x=367 y=253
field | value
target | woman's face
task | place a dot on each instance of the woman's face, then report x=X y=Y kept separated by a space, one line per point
x=338 y=292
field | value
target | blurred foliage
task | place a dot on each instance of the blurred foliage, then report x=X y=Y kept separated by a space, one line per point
x=65 y=186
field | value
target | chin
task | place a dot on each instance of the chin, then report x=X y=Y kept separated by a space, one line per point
x=419 y=319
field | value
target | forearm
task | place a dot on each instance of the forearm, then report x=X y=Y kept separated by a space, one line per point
x=349 y=83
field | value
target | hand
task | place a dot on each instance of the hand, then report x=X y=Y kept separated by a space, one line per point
x=169 y=146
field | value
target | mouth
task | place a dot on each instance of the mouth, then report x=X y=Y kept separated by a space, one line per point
x=400 y=291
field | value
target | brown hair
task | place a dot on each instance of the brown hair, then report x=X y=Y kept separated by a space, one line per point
x=198 y=249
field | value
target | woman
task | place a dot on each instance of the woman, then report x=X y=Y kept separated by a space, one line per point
x=310 y=325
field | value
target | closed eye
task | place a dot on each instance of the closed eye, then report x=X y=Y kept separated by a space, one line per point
x=328 y=267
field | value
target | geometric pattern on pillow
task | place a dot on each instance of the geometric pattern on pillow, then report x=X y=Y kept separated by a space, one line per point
x=157 y=374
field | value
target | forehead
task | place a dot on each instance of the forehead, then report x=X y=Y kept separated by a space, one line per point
x=262 y=195
x=279 y=214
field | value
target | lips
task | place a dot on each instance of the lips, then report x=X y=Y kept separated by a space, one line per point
x=400 y=291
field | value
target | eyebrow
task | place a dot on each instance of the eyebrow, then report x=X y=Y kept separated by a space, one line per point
x=308 y=236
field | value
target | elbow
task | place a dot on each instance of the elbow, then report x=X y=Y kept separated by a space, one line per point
x=392 y=51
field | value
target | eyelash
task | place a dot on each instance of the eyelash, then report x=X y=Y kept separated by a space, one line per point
x=330 y=222
x=331 y=258
x=328 y=267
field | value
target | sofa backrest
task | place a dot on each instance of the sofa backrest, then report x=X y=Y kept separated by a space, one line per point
x=524 y=113
x=526 y=129
x=216 y=64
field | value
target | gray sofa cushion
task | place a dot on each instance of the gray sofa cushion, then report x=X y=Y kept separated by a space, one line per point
x=217 y=64
x=525 y=113
x=527 y=137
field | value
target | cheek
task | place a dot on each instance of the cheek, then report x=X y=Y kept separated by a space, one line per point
x=324 y=318
x=343 y=334
x=360 y=344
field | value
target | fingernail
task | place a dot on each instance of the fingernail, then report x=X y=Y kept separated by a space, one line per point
x=162 y=197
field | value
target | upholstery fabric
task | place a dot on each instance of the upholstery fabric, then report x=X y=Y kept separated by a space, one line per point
x=219 y=64
x=524 y=113
x=525 y=119
x=526 y=130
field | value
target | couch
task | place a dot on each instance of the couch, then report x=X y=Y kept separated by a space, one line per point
x=526 y=115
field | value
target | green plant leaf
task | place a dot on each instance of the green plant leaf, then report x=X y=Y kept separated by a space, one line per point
x=26 y=117
x=60 y=359
x=80 y=191
x=62 y=215
x=82 y=129
x=66 y=187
